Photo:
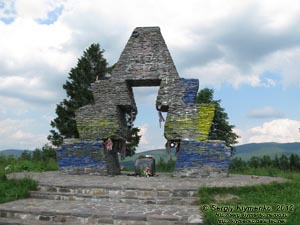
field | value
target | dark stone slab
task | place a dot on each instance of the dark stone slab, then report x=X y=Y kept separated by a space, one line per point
x=141 y=164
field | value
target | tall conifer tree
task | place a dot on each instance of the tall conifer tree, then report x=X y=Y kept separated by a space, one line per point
x=91 y=66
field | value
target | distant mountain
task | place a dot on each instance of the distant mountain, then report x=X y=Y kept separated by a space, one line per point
x=272 y=149
x=14 y=152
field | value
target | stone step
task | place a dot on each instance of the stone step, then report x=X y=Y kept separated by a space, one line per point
x=120 y=190
x=13 y=221
x=116 y=199
x=89 y=212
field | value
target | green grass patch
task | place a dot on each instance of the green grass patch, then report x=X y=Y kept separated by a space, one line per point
x=37 y=161
x=279 y=202
x=13 y=189
x=34 y=166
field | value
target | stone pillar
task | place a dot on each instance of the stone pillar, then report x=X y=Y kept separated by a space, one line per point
x=112 y=160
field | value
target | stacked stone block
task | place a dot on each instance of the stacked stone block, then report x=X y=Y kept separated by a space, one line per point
x=107 y=117
x=190 y=90
x=82 y=158
x=88 y=157
x=203 y=159
x=185 y=118
x=114 y=93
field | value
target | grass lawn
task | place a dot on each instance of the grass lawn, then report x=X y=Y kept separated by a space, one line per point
x=276 y=203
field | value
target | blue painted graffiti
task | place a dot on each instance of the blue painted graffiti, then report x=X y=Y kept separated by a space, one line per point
x=81 y=154
x=198 y=154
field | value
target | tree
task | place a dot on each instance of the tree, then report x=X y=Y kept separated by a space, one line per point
x=284 y=162
x=294 y=162
x=254 y=162
x=266 y=161
x=91 y=66
x=220 y=128
x=48 y=153
x=26 y=155
x=37 y=155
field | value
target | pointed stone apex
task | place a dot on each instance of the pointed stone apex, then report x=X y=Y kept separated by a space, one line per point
x=146 y=60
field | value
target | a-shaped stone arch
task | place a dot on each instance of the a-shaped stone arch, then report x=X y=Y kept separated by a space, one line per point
x=145 y=61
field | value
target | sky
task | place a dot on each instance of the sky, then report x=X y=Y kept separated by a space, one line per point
x=248 y=52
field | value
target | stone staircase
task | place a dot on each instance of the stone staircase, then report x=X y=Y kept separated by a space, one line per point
x=111 y=200
x=86 y=199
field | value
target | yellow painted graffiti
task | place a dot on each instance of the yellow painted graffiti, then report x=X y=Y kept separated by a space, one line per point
x=195 y=125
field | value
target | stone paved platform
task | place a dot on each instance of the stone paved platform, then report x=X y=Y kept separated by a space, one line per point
x=87 y=199
x=162 y=181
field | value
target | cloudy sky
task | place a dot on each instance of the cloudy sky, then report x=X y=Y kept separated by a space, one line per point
x=247 y=51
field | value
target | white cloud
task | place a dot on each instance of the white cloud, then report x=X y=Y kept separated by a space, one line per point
x=15 y=134
x=278 y=130
x=28 y=89
x=151 y=138
x=219 y=72
x=286 y=62
x=203 y=37
x=144 y=133
x=36 y=9
x=265 y=112
x=8 y=107
x=210 y=41
x=33 y=62
x=29 y=46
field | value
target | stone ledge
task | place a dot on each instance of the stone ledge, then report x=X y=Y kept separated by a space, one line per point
x=175 y=200
x=78 y=211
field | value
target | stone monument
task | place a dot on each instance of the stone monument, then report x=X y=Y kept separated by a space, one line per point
x=104 y=126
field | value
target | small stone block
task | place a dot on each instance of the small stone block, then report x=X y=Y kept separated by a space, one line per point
x=162 y=217
x=130 y=216
x=44 y=218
